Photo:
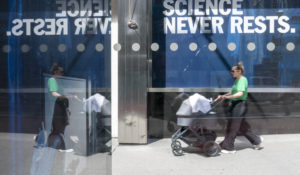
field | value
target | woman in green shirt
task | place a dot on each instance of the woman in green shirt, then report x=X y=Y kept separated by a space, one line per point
x=60 y=111
x=55 y=90
x=237 y=110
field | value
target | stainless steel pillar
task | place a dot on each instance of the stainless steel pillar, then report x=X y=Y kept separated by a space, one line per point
x=133 y=71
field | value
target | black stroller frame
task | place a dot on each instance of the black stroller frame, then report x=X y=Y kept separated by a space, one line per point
x=193 y=132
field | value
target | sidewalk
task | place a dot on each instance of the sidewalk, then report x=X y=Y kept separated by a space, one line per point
x=280 y=156
x=18 y=156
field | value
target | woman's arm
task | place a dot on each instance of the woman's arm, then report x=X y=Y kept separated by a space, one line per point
x=236 y=95
x=229 y=93
x=222 y=96
x=57 y=95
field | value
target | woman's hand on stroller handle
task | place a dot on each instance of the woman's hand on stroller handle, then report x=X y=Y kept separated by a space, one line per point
x=76 y=98
x=218 y=98
x=222 y=97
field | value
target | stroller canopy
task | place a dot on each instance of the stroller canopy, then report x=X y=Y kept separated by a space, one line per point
x=195 y=103
x=97 y=103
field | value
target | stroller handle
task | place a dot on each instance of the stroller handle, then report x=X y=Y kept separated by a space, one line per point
x=214 y=104
x=216 y=101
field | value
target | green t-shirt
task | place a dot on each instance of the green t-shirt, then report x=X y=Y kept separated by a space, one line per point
x=53 y=87
x=240 y=85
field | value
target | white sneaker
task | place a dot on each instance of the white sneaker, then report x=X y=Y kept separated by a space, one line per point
x=224 y=151
x=259 y=146
x=66 y=150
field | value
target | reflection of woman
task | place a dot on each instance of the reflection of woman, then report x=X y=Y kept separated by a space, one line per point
x=237 y=110
x=54 y=89
x=61 y=113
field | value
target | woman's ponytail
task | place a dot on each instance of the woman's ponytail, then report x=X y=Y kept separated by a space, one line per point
x=240 y=66
x=54 y=68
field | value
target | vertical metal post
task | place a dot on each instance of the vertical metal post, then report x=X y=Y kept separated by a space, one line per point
x=132 y=82
x=114 y=68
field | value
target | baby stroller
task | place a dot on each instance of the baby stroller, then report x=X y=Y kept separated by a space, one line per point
x=193 y=129
x=100 y=136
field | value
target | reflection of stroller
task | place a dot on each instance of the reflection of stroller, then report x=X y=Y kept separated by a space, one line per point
x=100 y=136
x=193 y=130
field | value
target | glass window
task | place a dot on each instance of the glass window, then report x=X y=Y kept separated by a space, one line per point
x=199 y=42
x=55 y=86
x=195 y=45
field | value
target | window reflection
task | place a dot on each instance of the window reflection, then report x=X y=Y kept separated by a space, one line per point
x=47 y=70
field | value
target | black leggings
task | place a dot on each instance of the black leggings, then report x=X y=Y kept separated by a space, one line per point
x=237 y=125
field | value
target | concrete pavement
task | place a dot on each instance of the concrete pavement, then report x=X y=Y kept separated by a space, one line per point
x=281 y=155
x=19 y=157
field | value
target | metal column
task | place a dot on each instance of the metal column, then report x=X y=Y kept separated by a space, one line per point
x=133 y=71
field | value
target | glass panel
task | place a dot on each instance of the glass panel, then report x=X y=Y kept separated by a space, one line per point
x=199 y=42
x=195 y=45
x=55 y=87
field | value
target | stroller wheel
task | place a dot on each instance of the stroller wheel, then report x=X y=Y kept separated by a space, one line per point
x=176 y=148
x=210 y=135
x=175 y=145
x=211 y=148
x=177 y=152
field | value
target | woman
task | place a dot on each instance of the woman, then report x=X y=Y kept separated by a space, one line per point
x=237 y=110
x=61 y=112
